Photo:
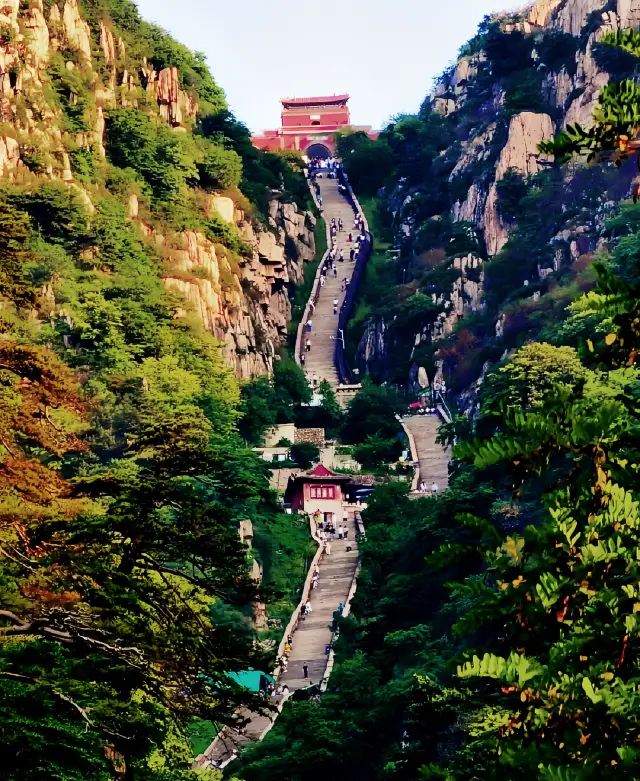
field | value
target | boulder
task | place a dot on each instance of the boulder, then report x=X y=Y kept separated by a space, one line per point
x=222 y=206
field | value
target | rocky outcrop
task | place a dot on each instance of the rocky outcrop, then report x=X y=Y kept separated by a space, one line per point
x=373 y=351
x=9 y=155
x=243 y=302
x=526 y=131
x=76 y=31
x=107 y=44
x=487 y=141
x=540 y=13
x=36 y=42
x=245 y=306
x=176 y=105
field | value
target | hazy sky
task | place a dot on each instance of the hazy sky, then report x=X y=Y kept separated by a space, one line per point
x=384 y=53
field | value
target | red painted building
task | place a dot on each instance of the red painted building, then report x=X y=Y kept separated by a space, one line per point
x=318 y=491
x=309 y=125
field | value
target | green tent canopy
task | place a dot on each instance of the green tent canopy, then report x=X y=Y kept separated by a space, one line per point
x=254 y=680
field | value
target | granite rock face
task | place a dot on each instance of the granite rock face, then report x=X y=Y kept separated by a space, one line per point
x=244 y=303
x=490 y=143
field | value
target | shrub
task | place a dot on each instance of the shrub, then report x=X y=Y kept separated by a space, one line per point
x=55 y=210
x=368 y=163
x=507 y=52
x=511 y=190
x=305 y=454
x=558 y=49
x=372 y=412
x=476 y=44
x=72 y=90
x=221 y=232
x=83 y=163
x=376 y=451
x=221 y=169
x=522 y=92
x=134 y=140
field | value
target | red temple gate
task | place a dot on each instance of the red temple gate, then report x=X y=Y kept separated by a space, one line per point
x=309 y=126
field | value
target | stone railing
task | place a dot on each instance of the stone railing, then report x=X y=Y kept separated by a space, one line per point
x=345 y=375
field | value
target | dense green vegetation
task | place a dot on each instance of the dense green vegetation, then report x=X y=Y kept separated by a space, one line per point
x=494 y=635
x=125 y=590
x=494 y=632
x=369 y=422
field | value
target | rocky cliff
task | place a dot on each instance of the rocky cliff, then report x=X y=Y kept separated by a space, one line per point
x=62 y=74
x=519 y=82
x=245 y=305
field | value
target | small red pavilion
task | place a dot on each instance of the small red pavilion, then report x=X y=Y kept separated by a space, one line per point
x=309 y=125
x=318 y=491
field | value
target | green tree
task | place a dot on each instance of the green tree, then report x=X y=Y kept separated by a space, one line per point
x=534 y=374
x=221 y=169
x=376 y=451
x=368 y=163
x=161 y=158
x=258 y=410
x=305 y=454
x=291 y=389
x=15 y=284
x=372 y=412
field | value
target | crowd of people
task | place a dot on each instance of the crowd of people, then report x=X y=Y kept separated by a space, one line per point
x=336 y=254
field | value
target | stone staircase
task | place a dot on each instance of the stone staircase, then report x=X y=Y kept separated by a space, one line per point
x=321 y=359
x=310 y=639
x=432 y=457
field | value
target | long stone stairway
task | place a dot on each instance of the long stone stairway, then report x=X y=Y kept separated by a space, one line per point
x=432 y=457
x=321 y=359
x=310 y=638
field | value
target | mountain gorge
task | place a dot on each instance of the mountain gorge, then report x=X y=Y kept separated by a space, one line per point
x=493 y=633
x=152 y=267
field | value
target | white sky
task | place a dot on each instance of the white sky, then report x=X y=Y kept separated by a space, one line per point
x=384 y=53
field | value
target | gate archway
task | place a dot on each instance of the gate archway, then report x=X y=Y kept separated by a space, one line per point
x=319 y=151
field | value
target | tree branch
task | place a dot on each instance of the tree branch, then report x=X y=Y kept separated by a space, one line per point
x=6 y=447
x=46 y=414
x=37 y=626
x=19 y=563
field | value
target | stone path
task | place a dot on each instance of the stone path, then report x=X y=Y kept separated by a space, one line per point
x=433 y=458
x=324 y=323
x=312 y=635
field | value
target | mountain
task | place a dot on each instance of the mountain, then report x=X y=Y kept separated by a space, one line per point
x=495 y=239
x=147 y=255
x=111 y=107
x=494 y=632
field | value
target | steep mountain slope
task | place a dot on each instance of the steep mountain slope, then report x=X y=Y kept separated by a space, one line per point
x=94 y=97
x=495 y=238
x=146 y=256
x=494 y=632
